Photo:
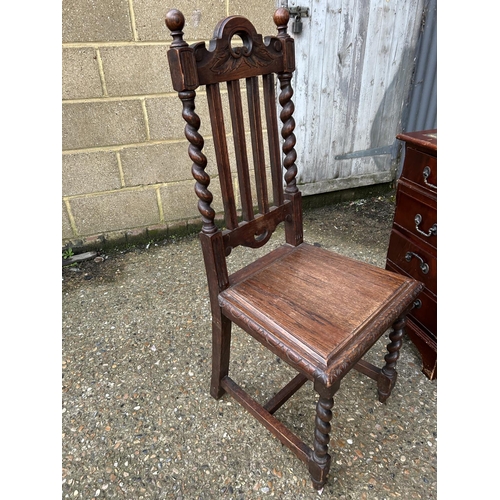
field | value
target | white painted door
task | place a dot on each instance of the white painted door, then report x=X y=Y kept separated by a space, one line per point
x=354 y=62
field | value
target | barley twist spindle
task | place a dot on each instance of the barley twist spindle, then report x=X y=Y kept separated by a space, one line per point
x=281 y=18
x=181 y=55
x=196 y=144
x=388 y=374
x=287 y=132
x=322 y=431
x=394 y=346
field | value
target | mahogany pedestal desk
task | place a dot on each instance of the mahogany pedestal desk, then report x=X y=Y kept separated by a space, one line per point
x=413 y=241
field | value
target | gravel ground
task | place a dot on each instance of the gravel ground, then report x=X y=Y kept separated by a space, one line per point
x=137 y=418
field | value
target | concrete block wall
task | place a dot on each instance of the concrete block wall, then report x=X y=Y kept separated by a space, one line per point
x=125 y=169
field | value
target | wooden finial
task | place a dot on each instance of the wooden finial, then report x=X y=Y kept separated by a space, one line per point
x=281 y=18
x=174 y=20
x=175 y=23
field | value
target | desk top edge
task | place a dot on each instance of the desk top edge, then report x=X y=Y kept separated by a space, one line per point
x=426 y=139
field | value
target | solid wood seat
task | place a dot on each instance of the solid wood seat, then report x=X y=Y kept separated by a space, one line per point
x=297 y=304
x=320 y=312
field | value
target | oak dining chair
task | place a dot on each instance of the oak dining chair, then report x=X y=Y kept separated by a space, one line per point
x=320 y=312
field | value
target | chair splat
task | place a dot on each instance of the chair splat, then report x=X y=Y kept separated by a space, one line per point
x=240 y=148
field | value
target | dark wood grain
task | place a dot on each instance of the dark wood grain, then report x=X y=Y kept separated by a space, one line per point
x=221 y=153
x=367 y=369
x=273 y=137
x=416 y=203
x=419 y=161
x=288 y=438
x=257 y=143
x=256 y=233
x=400 y=246
x=282 y=396
x=424 y=140
x=221 y=62
x=240 y=148
x=334 y=300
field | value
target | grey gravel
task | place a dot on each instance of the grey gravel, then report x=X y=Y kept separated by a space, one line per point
x=137 y=418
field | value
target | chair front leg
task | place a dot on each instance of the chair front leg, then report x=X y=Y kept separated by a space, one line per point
x=319 y=463
x=388 y=374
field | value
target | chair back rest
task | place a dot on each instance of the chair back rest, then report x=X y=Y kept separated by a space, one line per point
x=250 y=65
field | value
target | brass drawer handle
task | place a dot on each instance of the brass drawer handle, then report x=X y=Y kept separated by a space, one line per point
x=432 y=231
x=423 y=266
x=426 y=173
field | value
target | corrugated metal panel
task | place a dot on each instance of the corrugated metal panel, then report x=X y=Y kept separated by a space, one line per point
x=422 y=109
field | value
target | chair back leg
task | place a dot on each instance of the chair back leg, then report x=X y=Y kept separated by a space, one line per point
x=388 y=374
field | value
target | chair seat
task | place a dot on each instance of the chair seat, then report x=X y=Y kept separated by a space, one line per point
x=310 y=305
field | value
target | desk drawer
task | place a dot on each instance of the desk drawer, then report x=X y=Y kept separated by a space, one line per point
x=420 y=168
x=413 y=260
x=424 y=316
x=417 y=217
